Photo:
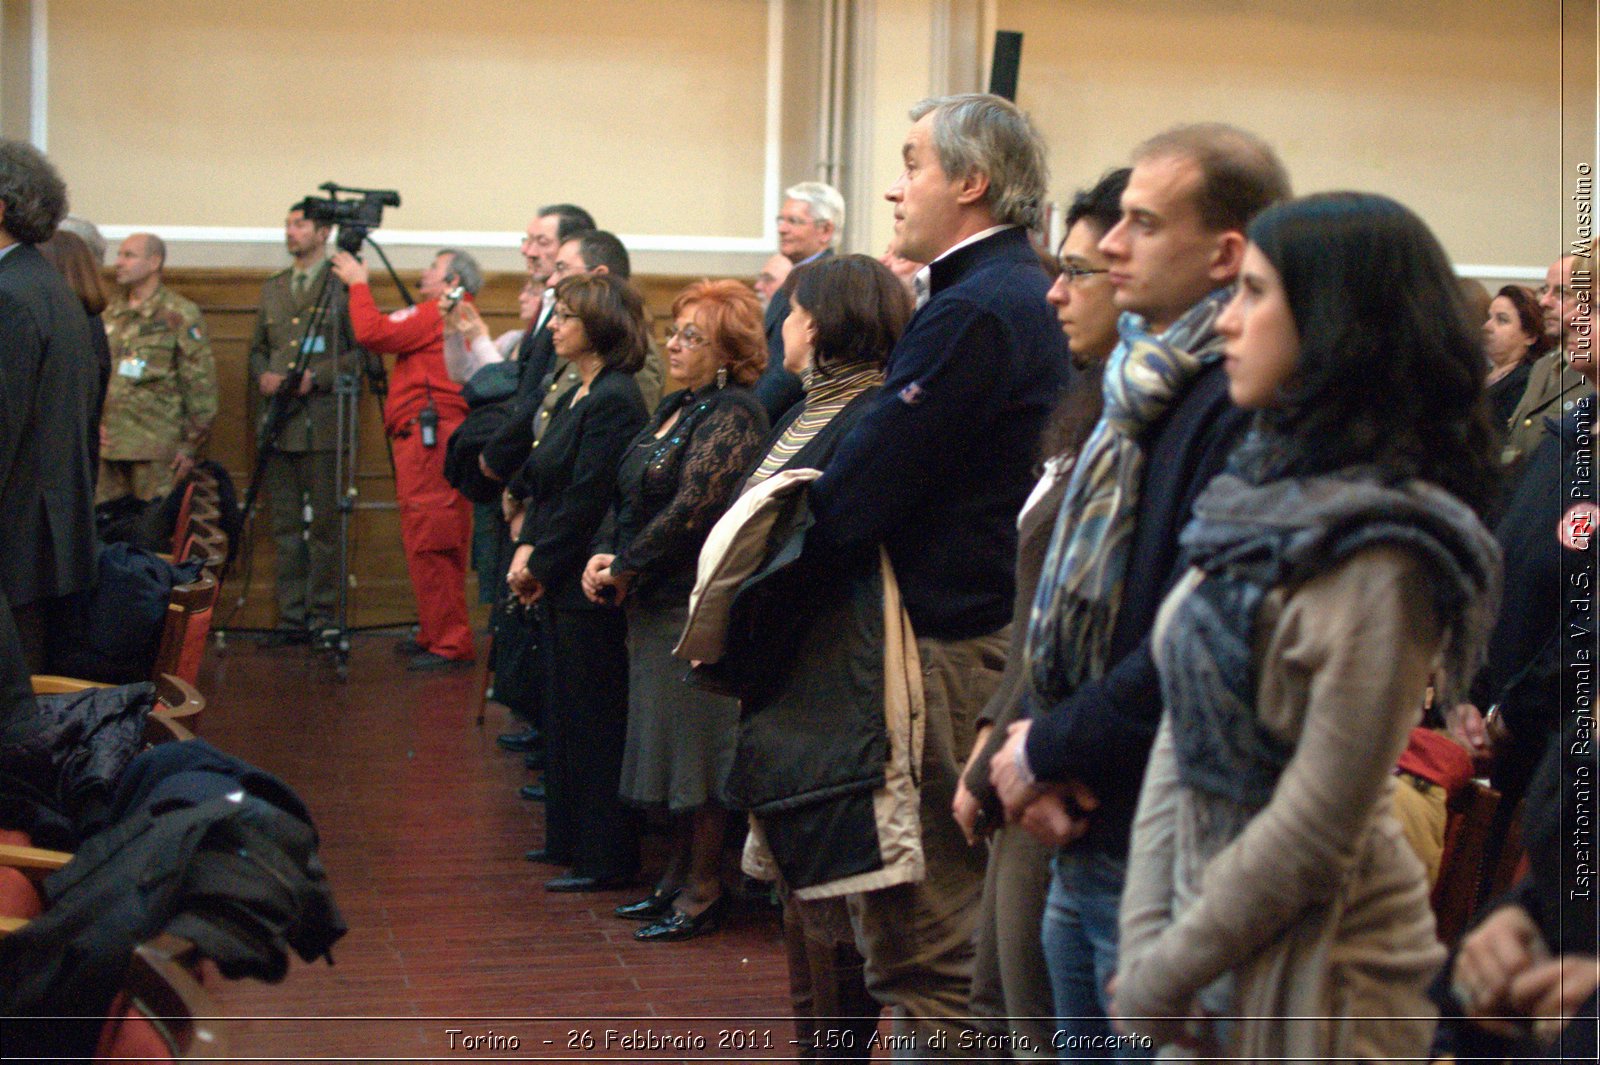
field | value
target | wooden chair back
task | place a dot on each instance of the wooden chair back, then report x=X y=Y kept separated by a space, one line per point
x=188 y=623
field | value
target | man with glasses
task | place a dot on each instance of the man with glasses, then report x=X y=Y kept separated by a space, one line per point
x=1554 y=387
x=809 y=224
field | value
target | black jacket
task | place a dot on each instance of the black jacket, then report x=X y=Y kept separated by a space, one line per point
x=1523 y=670
x=49 y=386
x=942 y=459
x=779 y=391
x=239 y=876
x=570 y=481
x=1102 y=733
x=509 y=447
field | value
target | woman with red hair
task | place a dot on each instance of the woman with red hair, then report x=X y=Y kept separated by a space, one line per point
x=676 y=479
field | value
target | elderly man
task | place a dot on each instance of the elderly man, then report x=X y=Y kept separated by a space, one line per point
x=1172 y=258
x=809 y=225
x=1554 y=386
x=48 y=381
x=936 y=471
x=301 y=475
x=771 y=277
x=423 y=408
x=163 y=390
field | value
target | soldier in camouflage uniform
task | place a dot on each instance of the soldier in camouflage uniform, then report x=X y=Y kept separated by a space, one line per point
x=163 y=390
x=302 y=468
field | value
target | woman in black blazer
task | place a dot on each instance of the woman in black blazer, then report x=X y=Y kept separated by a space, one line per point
x=567 y=485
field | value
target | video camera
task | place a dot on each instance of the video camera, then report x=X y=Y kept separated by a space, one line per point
x=355 y=217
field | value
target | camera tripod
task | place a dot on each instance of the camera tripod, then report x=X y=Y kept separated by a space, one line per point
x=323 y=325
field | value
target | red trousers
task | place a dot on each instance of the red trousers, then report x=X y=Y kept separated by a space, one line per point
x=436 y=531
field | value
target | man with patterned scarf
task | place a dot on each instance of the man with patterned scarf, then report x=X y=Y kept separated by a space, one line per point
x=1167 y=429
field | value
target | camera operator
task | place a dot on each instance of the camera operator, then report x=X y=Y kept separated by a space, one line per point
x=304 y=463
x=423 y=408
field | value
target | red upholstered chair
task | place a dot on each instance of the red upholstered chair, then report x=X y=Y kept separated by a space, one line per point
x=162 y=1013
x=180 y=528
x=183 y=637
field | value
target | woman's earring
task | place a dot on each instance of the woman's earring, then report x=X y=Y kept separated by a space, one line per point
x=722 y=376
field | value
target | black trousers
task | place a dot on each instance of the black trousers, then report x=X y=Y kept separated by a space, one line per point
x=586 y=724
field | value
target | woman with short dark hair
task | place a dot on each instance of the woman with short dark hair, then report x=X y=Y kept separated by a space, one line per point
x=568 y=485
x=1273 y=909
x=1513 y=337
x=846 y=313
x=676 y=478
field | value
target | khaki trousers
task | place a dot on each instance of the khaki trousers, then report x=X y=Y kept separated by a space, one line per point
x=917 y=939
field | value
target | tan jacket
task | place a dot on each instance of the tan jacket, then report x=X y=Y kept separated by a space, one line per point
x=1308 y=918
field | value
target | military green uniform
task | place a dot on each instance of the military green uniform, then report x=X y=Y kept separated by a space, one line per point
x=1553 y=389
x=302 y=470
x=162 y=395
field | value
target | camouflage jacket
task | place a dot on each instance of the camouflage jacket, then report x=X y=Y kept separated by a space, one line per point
x=163 y=390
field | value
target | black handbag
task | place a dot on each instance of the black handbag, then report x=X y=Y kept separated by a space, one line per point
x=521 y=659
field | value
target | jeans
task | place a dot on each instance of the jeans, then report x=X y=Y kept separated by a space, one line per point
x=1080 y=948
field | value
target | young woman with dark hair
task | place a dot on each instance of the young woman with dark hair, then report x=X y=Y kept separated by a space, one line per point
x=1513 y=336
x=1273 y=908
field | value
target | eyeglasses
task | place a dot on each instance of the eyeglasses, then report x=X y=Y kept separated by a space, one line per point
x=1075 y=274
x=687 y=337
x=558 y=316
x=795 y=220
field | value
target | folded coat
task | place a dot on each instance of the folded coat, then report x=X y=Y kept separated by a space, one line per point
x=832 y=719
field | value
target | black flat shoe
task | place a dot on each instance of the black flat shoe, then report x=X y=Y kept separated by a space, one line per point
x=531 y=792
x=572 y=884
x=679 y=925
x=520 y=742
x=652 y=908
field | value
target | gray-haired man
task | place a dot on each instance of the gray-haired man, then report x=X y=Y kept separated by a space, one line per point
x=809 y=225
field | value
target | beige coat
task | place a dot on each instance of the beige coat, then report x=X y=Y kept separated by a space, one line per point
x=1313 y=907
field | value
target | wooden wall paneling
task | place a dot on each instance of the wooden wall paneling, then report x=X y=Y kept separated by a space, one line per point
x=380 y=592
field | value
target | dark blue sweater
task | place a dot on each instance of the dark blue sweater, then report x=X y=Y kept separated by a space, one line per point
x=1101 y=734
x=941 y=462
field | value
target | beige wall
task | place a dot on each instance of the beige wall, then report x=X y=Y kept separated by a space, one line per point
x=1451 y=107
x=181 y=112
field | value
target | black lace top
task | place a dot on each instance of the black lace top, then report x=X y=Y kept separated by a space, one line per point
x=671 y=490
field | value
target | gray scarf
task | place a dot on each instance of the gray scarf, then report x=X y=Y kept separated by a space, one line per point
x=1249 y=537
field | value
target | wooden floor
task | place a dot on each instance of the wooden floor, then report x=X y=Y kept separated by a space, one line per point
x=450 y=928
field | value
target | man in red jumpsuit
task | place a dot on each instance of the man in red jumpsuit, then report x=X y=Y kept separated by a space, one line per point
x=423 y=408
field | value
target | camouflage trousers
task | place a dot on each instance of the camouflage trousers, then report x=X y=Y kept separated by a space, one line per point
x=145 y=478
